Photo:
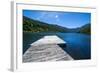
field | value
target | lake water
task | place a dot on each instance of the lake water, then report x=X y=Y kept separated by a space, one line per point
x=78 y=45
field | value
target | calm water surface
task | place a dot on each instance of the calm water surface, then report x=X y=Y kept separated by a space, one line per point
x=78 y=45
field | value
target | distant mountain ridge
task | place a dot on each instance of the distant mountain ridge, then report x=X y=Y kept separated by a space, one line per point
x=37 y=26
x=85 y=29
x=30 y=25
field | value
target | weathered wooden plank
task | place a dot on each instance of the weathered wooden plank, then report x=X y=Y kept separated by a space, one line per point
x=46 y=52
x=46 y=49
x=48 y=40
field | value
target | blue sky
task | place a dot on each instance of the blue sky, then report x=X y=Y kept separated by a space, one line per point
x=65 y=19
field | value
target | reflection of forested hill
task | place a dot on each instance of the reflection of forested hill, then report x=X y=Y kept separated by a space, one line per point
x=31 y=25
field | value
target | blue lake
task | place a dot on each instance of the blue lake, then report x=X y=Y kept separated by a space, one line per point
x=78 y=45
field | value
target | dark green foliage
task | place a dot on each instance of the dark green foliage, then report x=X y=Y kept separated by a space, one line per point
x=37 y=26
x=86 y=29
x=30 y=25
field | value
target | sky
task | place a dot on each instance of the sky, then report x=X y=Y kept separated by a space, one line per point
x=65 y=19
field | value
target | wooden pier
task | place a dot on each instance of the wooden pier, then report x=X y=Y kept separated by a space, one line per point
x=48 y=40
x=46 y=49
